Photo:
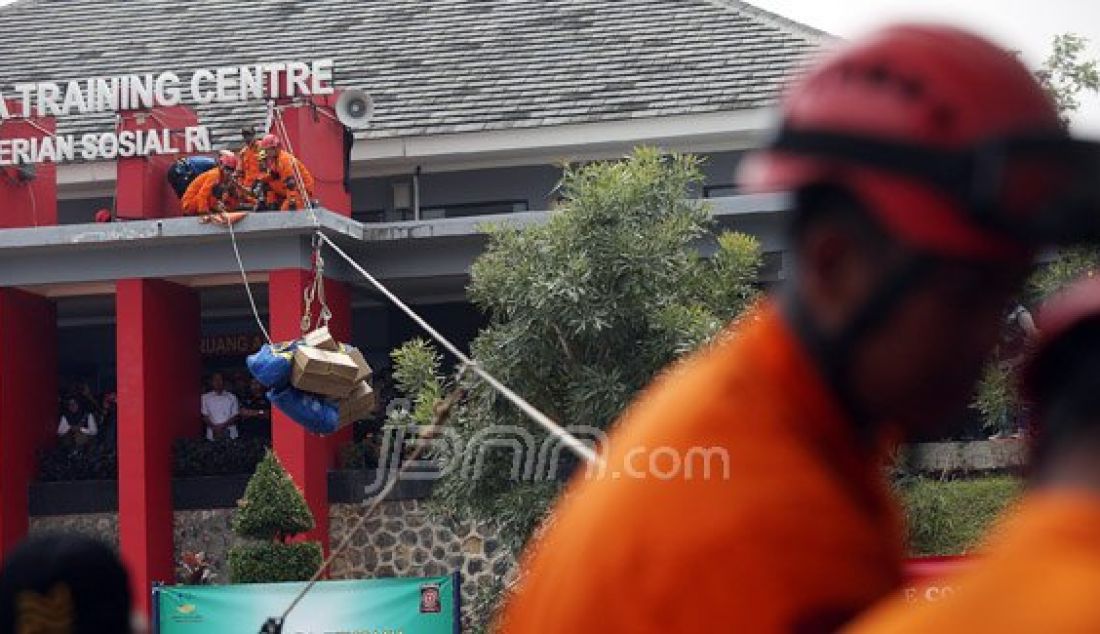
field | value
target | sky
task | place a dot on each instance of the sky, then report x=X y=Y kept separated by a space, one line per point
x=1024 y=25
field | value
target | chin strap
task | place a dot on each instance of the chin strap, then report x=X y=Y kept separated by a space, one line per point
x=834 y=352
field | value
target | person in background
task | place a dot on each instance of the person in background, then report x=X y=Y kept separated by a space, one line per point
x=256 y=412
x=895 y=302
x=283 y=176
x=220 y=410
x=248 y=169
x=1040 y=569
x=61 y=583
x=109 y=427
x=78 y=423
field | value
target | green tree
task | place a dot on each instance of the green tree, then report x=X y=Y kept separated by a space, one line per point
x=270 y=514
x=1065 y=74
x=627 y=275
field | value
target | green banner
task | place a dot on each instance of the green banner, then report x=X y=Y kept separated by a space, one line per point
x=368 y=606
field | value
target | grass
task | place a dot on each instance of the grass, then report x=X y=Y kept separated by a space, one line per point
x=950 y=517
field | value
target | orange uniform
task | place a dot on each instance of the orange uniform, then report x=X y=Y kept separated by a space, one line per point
x=799 y=535
x=249 y=159
x=276 y=173
x=200 y=196
x=1039 y=574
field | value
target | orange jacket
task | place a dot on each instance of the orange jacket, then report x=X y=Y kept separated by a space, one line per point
x=199 y=197
x=1039 y=573
x=249 y=158
x=276 y=173
x=799 y=536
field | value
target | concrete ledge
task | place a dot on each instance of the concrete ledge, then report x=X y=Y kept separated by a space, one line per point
x=976 y=456
x=202 y=493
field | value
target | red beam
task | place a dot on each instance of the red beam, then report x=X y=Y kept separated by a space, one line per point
x=308 y=457
x=159 y=376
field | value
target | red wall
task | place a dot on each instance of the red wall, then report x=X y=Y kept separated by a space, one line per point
x=28 y=401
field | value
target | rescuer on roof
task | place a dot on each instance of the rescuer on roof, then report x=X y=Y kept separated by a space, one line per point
x=248 y=158
x=280 y=172
x=215 y=191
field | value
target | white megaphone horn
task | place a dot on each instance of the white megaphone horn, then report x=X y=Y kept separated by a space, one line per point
x=354 y=108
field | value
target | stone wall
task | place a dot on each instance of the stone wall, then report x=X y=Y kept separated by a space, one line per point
x=207 y=531
x=400 y=540
x=967 y=457
x=103 y=526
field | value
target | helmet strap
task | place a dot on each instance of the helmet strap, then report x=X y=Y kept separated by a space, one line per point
x=834 y=353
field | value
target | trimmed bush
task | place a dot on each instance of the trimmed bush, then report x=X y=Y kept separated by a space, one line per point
x=272 y=511
x=274 y=562
x=272 y=507
x=950 y=517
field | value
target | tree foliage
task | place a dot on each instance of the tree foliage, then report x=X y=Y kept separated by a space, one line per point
x=273 y=511
x=584 y=311
x=1065 y=74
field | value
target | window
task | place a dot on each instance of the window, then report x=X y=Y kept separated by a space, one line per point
x=473 y=209
x=717 y=191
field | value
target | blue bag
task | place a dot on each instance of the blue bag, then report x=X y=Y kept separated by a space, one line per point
x=187 y=169
x=272 y=364
x=317 y=414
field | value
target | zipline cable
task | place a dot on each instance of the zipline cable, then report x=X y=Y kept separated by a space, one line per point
x=244 y=278
x=582 y=450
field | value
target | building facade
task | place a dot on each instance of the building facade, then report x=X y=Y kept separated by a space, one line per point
x=477 y=105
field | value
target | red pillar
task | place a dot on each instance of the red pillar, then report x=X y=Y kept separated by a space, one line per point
x=317 y=139
x=28 y=401
x=158 y=401
x=308 y=457
x=28 y=201
x=146 y=193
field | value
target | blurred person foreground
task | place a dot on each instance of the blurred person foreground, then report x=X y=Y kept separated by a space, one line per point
x=927 y=167
x=64 y=584
x=1051 y=533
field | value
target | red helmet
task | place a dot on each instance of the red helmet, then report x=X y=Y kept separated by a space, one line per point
x=270 y=141
x=921 y=87
x=227 y=159
x=103 y=215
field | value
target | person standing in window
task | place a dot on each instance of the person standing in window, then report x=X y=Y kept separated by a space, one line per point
x=256 y=413
x=220 y=410
x=77 y=425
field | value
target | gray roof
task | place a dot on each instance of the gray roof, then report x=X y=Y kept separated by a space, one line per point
x=432 y=66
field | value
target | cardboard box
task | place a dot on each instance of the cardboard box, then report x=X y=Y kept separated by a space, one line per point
x=365 y=371
x=321 y=338
x=358 y=405
x=323 y=372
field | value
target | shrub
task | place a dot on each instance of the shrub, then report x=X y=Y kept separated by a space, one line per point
x=272 y=511
x=66 y=463
x=274 y=562
x=193 y=457
x=950 y=517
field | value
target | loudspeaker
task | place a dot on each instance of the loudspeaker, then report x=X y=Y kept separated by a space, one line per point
x=354 y=108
